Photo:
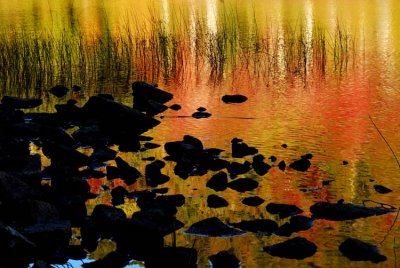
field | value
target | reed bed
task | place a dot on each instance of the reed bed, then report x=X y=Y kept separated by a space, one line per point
x=176 y=50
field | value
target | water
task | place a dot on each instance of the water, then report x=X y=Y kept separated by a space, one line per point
x=266 y=50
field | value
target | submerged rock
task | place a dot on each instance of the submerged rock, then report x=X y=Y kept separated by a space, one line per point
x=215 y=201
x=218 y=182
x=212 y=227
x=243 y=185
x=259 y=166
x=21 y=103
x=199 y=115
x=263 y=226
x=296 y=224
x=357 y=250
x=381 y=189
x=343 y=211
x=236 y=168
x=175 y=107
x=253 y=201
x=224 y=259
x=241 y=149
x=303 y=164
x=234 y=98
x=296 y=248
x=283 y=210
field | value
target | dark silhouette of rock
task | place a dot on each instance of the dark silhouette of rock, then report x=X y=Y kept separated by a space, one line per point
x=153 y=174
x=327 y=182
x=282 y=165
x=283 y=210
x=91 y=136
x=199 y=115
x=128 y=173
x=218 y=182
x=118 y=195
x=215 y=201
x=113 y=259
x=144 y=93
x=41 y=264
x=357 y=250
x=102 y=154
x=241 y=149
x=212 y=227
x=201 y=109
x=303 y=164
x=344 y=162
x=178 y=257
x=112 y=173
x=59 y=91
x=21 y=103
x=234 y=98
x=65 y=155
x=284 y=145
x=160 y=224
x=12 y=189
x=224 y=259
x=296 y=248
x=296 y=224
x=252 y=201
x=262 y=226
x=243 y=185
x=236 y=168
x=72 y=207
x=259 y=166
x=161 y=191
x=150 y=145
x=89 y=173
x=272 y=158
x=175 y=107
x=343 y=211
x=381 y=189
x=176 y=200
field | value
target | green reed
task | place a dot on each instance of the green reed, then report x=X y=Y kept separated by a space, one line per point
x=154 y=49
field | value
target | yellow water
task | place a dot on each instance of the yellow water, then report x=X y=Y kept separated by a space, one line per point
x=324 y=113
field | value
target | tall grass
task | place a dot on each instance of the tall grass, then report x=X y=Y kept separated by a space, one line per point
x=153 y=49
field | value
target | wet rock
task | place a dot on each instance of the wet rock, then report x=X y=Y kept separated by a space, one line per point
x=283 y=210
x=201 y=109
x=91 y=136
x=175 y=107
x=212 y=227
x=176 y=200
x=357 y=250
x=12 y=189
x=161 y=191
x=72 y=207
x=90 y=234
x=21 y=103
x=296 y=224
x=199 y=115
x=150 y=145
x=154 y=108
x=68 y=156
x=117 y=195
x=59 y=91
x=102 y=154
x=282 y=165
x=243 y=185
x=156 y=221
x=153 y=174
x=106 y=217
x=16 y=249
x=234 y=98
x=163 y=207
x=327 y=182
x=128 y=173
x=218 y=182
x=236 y=168
x=262 y=226
x=179 y=149
x=241 y=149
x=173 y=257
x=259 y=166
x=143 y=93
x=284 y=145
x=215 y=201
x=343 y=211
x=303 y=164
x=76 y=88
x=253 y=201
x=70 y=185
x=381 y=189
x=112 y=173
x=150 y=158
x=113 y=259
x=89 y=173
x=296 y=248
x=224 y=259
x=69 y=112
x=344 y=162
x=272 y=158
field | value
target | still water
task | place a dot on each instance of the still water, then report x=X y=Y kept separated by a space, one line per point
x=317 y=74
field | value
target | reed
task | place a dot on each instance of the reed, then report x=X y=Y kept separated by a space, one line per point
x=154 y=49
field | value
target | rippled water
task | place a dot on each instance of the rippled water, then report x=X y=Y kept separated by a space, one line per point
x=328 y=114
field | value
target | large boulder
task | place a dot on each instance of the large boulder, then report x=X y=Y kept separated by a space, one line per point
x=149 y=98
x=296 y=248
x=357 y=250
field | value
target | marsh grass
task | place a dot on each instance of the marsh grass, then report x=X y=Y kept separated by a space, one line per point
x=154 y=49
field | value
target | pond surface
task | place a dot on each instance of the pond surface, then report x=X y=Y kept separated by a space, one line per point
x=318 y=75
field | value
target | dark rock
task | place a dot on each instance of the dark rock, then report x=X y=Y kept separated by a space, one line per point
x=12 y=189
x=117 y=195
x=70 y=185
x=90 y=234
x=73 y=252
x=282 y=165
x=127 y=144
x=243 y=185
x=156 y=222
x=252 y=201
x=176 y=200
x=296 y=224
x=112 y=173
x=150 y=158
x=153 y=174
x=154 y=108
x=343 y=211
x=236 y=168
x=72 y=207
x=234 y=98
x=212 y=227
x=283 y=210
x=262 y=226
x=272 y=158
x=41 y=264
x=91 y=136
x=61 y=154
x=327 y=182
x=302 y=164
x=163 y=207
x=259 y=166
x=107 y=217
x=218 y=182
x=381 y=189
x=201 y=109
x=241 y=149
x=357 y=250
x=284 y=145
x=199 y=115
x=224 y=259
x=296 y=248
x=175 y=107
x=150 y=145
x=128 y=173
x=69 y=112
x=102 y=154
x=344 y=162
x=21 y=103
x=113 y=259
x=160 y=190
x=76 y=88
x=89 y=173
x=215 y=201
x=178 y=257
x=143 y=93
x=59 y=91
